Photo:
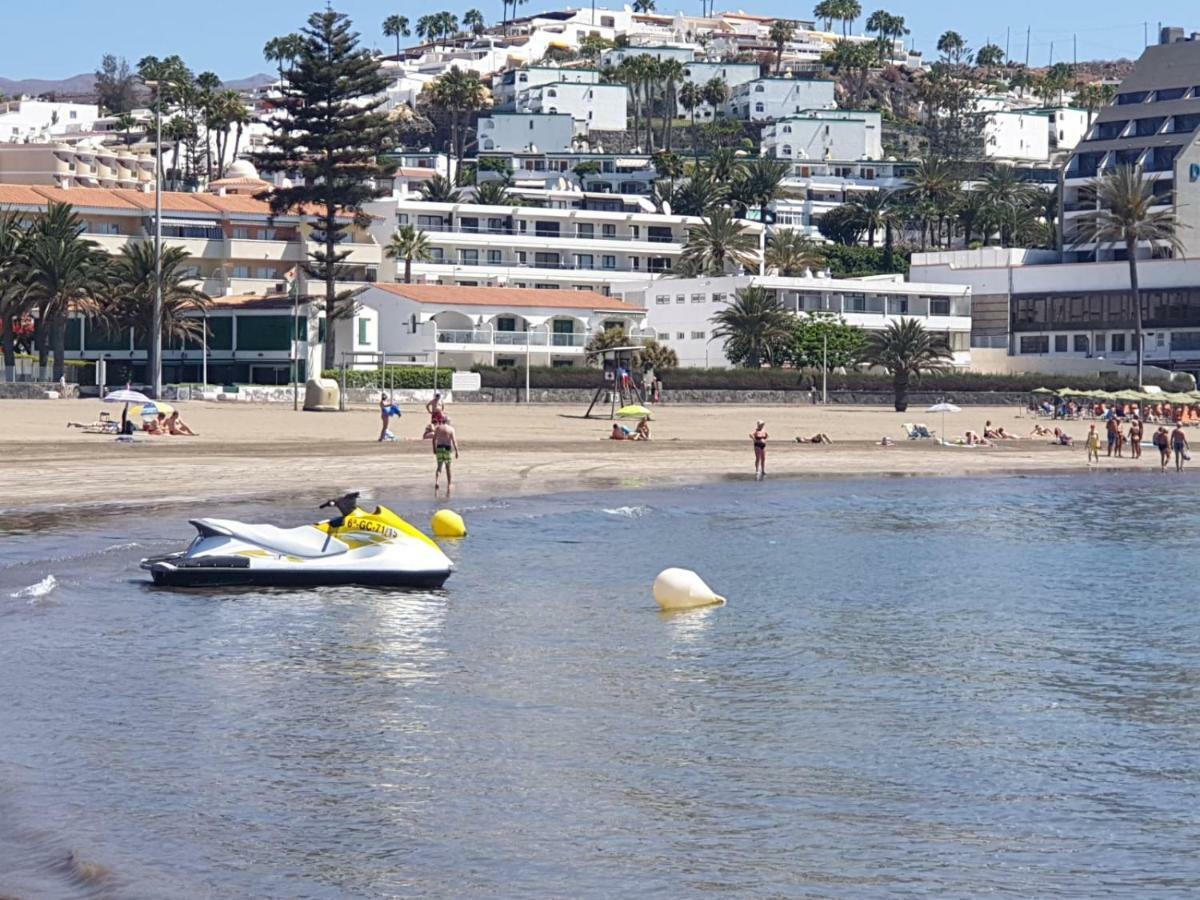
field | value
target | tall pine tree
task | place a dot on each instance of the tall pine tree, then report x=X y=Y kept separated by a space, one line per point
x=332 y=134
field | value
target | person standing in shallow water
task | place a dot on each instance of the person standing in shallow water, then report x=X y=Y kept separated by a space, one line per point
x=1179 y=443
x=1093 y=445
x=759 y=437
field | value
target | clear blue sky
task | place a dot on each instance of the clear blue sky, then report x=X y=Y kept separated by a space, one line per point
x=227 y=37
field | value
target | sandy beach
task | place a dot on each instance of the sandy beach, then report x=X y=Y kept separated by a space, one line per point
x=249 y=450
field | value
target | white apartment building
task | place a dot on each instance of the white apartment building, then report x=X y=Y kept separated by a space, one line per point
x=732 y=73
x=41 y=120
x=592 y=107
x=816 y=187
x=1067 y=125
x=516 y=132
x=680 y=310
x=1041 y=313
x=508 y=88
x=777 y=98
x=1016 y=136
x=617 y=55
x=461 y=327
x=825 y=135
x=529 y=247
x=85 y=164
x=630 y=174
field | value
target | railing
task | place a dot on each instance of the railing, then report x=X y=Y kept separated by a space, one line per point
x=507 y=231
x=511 y=338
x=550 y=266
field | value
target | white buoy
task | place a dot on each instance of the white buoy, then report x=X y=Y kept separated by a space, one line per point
x=683 y=589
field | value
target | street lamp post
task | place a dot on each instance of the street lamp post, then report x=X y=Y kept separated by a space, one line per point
x=156 y=317
x=706 y=343
x=204 y=351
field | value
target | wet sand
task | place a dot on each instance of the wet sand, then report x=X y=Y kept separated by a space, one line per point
x=257 y=450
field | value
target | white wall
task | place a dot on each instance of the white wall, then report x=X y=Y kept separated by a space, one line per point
x=821 y=137
x=520 y=131
x=1016 y=136
x=779 y=98
x=594 y=107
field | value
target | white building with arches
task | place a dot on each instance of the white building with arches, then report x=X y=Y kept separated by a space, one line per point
x=467 y=326
x=526 y=132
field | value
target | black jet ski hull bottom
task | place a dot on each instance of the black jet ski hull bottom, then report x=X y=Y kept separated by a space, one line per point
x=221 y=576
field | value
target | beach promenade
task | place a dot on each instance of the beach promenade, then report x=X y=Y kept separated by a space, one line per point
x=249 y=450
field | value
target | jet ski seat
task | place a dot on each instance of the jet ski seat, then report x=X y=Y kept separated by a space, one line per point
x=305 y=541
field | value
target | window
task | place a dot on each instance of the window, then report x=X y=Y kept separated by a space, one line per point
x=786 y=150
x=855 y=302
x=1099 y=343
x=1108 y=131
x=659 y=234
x=1185 y=340
x=697 y=298
x=681 y=298
x=758 y=107
x=1080 y=343
x=899 y=306
x=364 y=332
x=468 y=224
x=1165 y=94
x=264 y=272
x=494 y=256
x=430 y=222
x=585 y=230
x=241 y=271
x=608 y=231
x=495 y=226
x=545 y=229
x=264 y=332
x=939 y=306
x=758 y=89
x=241 y=233
x=546 y=260
x=719 y=297
x=1118 y=343
x=436 y=254
x=697 y=335
x=469 y=257
x=584 y=261
x=635 y=232
x=608 y=262
x=506 y=323
x=614 y=324
x=1035 y=344
x=1060 y=343
x=662 y=300
x=1132 y=97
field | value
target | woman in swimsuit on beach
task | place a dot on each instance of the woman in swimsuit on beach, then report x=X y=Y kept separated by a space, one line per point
x=759 y=437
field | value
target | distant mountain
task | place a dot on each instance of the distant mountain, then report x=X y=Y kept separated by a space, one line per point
x=81 y=86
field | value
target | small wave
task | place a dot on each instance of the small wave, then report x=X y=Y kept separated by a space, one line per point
x=628 y=512
x=36 y=592
x=128 y=545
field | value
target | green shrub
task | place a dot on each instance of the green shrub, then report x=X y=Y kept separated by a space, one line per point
x=850 y=262
x=408 y=378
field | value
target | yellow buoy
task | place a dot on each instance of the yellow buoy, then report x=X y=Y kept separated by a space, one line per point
x=683 y=589
x=449 y=524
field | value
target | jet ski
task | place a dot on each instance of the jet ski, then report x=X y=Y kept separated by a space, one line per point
x=355 y=547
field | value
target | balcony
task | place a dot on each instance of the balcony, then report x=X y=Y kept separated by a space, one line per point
x=544 y=236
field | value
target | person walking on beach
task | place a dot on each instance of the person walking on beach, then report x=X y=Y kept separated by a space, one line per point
x=386 y=411
x=1179 y=443
x=1093 y=445
x=759 y=437
x=1163 y=444
x=436 y=409
x=444 y=444
x=1135 y=438
x=1112 y=428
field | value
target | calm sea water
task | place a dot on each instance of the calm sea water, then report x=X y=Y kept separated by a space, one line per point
x=919 y=687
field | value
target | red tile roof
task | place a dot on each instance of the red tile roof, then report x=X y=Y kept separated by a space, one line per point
x=455 y=295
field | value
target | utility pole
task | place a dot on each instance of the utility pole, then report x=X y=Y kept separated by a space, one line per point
x=1145 y=34
x=1051 y=53
x=1028 y=32
x=1074 y=49
x=1007 y=38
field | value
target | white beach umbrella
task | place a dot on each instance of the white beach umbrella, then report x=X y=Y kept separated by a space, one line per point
x=126 y=396
x=944 y=408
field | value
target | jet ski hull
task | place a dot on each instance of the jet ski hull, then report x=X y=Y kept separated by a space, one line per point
x=375 y=549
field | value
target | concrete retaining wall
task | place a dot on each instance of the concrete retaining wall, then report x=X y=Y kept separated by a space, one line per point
x=750 y=398
x=38 y=390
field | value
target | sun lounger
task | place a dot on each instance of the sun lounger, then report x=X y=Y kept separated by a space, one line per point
x=916 y=432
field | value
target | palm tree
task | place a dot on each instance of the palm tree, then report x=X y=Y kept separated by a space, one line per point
x=438 y=189
x=906 y=351
x=760 y=183
x=716 y=94
x=408 y=244
x=826 y=10
x=1127 y=217
x=934 y=188
x=1006 y=194
x=790 y=254
x=284 y=49
x=889 y=28
x=656 y=356
x=396 y=26
x=718 y=243
x=643 y=6
x=875 y=211
x=691 y=95
x=473 y=19
x=782 y=31
x=127 y=123
x=669 y=72
x=457 y=93
x=64 y=273
x=495 y=193
x=14 y=302
x=132 y=293
x=848 y=11
x=755 y=327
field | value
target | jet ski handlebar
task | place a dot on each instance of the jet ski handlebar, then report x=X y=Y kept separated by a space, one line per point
x=345 y=504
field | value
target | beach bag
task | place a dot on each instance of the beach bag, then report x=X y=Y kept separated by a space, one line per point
x=1187 y=455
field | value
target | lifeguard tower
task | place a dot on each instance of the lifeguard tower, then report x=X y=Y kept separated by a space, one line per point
x=618 y=381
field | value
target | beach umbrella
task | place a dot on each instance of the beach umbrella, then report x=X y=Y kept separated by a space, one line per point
x=126 y=396
x=944 y=408
x=151 y=408
x=633 y=411
x=1042 y=390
